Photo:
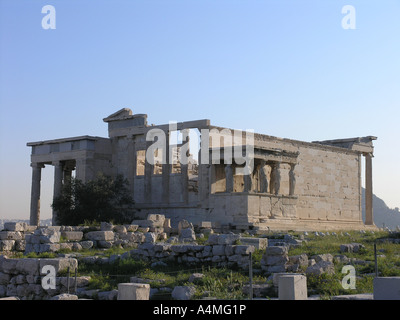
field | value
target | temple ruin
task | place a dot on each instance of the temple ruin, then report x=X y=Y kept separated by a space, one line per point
x=292 y=185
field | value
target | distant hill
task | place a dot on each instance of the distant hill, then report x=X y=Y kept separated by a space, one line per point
x=383 y=215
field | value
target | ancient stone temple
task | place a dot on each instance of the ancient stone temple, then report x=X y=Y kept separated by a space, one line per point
x=203 y=173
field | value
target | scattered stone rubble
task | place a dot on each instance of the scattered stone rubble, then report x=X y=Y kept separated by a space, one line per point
x=24 y=238
x=152 y=240
x=221 y=255
x=220 y=250
x=23 y=277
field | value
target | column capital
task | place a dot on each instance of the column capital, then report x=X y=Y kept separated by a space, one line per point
x=37 y=165
x=276 y=164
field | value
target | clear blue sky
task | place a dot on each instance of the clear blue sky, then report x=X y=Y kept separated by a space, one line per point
x=283 y=68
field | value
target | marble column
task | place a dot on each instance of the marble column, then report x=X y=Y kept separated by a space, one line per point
x=369 y=216
x=184 y=166
x=131 y=170
x=35 y=193
x=228 y=178
x=292 y=180
x=166 y=170
x=58 y=182
x=276 y=181
x=148 y=175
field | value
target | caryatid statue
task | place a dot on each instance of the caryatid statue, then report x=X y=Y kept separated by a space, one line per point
x=276 y=181
x=263 y=177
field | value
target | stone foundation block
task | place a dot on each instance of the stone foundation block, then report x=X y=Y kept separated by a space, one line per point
x=11 y=235
x=72 y=235
x=258 y=243
x=15 y=226
x=60 y=264
x=100 y=235
x=49 y=247
x=133 y=291
x=7 y=245
x=292 y=287
x=28 y=266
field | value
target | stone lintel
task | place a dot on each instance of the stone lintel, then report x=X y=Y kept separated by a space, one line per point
x=199 y=124
x=262 y=153
x=359 y=144
x=93 y=138
x=52 y=158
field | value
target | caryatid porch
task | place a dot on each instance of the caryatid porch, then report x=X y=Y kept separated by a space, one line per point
x=267 y=193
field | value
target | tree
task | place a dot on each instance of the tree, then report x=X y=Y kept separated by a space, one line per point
x=102 y=199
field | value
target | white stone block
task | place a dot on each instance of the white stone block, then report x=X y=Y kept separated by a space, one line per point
x=133 y=291
x=206 y=224
x=387 y=288
x=292 y=287
x=28 y=266
x=11 y=235
x=276 y=276
x=60 y=264
x=15 y=226
x=72 y=235
x=259 y=243
x=7 y=245
x=100 y=235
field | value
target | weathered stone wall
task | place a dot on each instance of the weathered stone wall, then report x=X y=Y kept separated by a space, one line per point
x=219 y=250
x=52 y=239
x=23 y=277
x=327 y=181
x=327 y=193
x=326 y=175
x=328 y=185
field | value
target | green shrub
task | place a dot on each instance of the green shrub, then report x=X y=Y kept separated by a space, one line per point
x=102 y=199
